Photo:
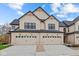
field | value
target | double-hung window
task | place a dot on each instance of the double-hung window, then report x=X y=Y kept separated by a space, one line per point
x=29 y=26
x=51 y=26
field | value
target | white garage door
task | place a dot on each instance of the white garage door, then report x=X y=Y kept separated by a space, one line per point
x=36 y=38
x=51 y=38
x=23 y=38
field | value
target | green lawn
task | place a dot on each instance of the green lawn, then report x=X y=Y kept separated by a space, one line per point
x=3 y=46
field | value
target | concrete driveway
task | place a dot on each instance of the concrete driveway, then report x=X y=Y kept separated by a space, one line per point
x=30 y=50
x=23 y=50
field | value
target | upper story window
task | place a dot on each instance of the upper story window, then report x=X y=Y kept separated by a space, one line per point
x=13 y=27
x=51 y=26
x=29 y=26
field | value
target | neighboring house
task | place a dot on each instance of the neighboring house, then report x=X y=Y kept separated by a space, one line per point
x=38 y=27
x=72 y=31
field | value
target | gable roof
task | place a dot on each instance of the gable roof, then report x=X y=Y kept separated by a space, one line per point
x=41 y=9
x=42 y=19
x=61 y=24
x=32 y=13
x=16 y=21
x=36 y=15
x=46 y=13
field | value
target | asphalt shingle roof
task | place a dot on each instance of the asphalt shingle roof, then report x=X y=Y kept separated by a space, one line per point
x=68 y=22
x=61 y=24
x=15 y=22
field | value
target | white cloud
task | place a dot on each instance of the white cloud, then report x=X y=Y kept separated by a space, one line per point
x=20 y=12
x=60 y=15
x=70 y=8
x=65 y=8
x=17 y=7
x=54 y=6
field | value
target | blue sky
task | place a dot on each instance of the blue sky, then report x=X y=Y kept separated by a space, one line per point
x=62 y=11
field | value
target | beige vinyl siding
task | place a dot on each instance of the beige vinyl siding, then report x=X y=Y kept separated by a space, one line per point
x=72 y=28
x=42 y=25
x=76 y=26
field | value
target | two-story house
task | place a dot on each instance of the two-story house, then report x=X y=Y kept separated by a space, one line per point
x=40 y=27
x=37 y=27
